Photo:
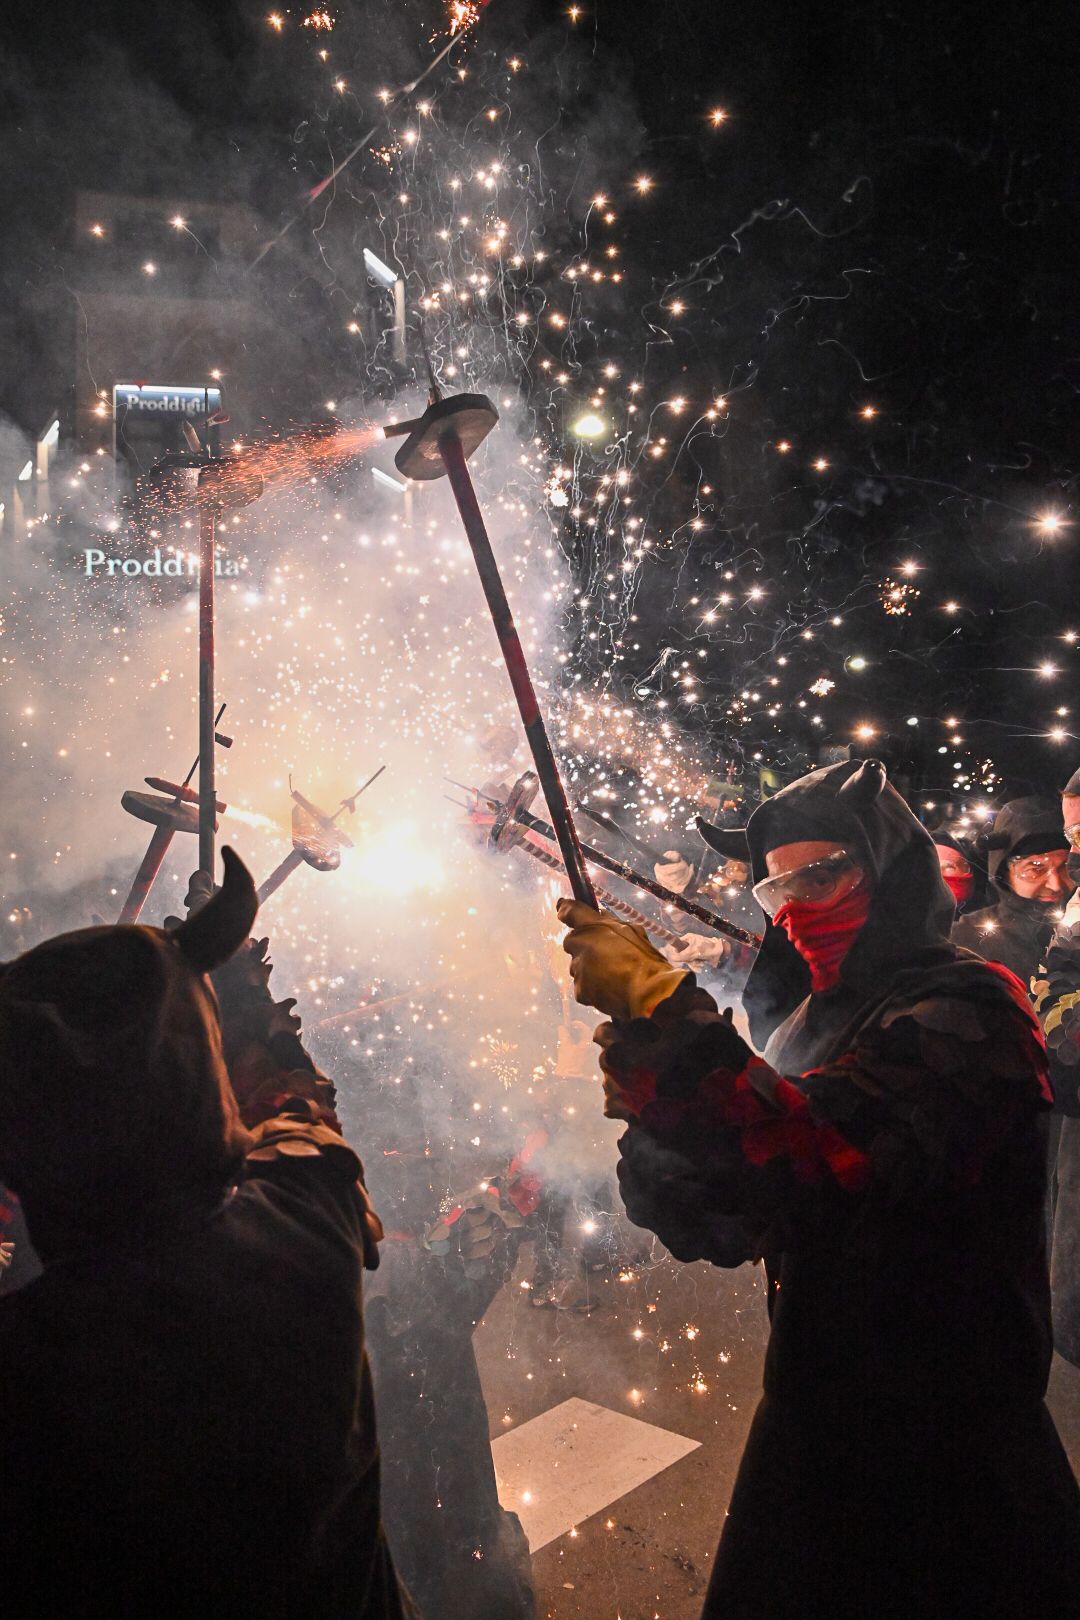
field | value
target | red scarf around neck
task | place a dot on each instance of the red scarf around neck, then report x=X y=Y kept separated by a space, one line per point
x=823 y=933
x=961 y=884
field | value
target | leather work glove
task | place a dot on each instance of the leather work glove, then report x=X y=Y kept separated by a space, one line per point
x=614 y=965
x=673 y=872
x=700 y=950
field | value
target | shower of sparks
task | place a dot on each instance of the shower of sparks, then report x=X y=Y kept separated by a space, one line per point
x=898 y=596
x=668 y=538
x=463 y=14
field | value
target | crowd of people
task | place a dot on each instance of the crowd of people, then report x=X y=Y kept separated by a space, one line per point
x=889 y=1123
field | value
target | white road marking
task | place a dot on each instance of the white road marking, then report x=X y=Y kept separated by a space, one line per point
x=570 y=1462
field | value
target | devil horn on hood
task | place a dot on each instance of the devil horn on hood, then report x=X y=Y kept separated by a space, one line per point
x=213 y=934
x=728 y=841
x=866 y=783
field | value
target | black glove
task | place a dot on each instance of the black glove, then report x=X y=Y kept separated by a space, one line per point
x=726 y=1046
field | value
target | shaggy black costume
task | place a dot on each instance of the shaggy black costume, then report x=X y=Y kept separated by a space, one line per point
x=887 y=1160
x=187 y=1408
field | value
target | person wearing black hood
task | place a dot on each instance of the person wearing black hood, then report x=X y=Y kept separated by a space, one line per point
x=1027 y=858
x=958 y=869
x=187 y=1422
x=886 y=1157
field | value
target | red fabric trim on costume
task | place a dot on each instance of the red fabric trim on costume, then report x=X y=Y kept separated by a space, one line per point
x=728 y=1099
x=1018 y=994
x=524 y=1191
x=811 y=1147
x=823 y=932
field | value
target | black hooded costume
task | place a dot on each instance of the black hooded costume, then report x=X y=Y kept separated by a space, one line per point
x=187 y=1420
x=887 y=1159
x=946 y=840
x=1015 y=930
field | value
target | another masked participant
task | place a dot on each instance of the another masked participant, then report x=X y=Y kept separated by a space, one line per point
x=887 y=1157
x=1058 y=1005
x=194 y=1431
x=1027 y=858
x=958 y=870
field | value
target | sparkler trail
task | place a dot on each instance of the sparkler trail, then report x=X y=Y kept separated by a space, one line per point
x=784 y=472
x=464 y=14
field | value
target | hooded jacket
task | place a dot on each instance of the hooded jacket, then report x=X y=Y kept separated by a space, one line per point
x=911 y=913
x=888 y=1160
x=1015 y=930
x=188 y=1407
x=946 y=840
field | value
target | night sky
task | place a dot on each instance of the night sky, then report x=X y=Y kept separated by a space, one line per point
x=882 y=220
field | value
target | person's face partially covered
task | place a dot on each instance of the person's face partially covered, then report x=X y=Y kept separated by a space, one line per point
x=957 y=872
x=813 y=870
x=819 y=894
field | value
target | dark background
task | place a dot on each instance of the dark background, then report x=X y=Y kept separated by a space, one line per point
x=887 y=216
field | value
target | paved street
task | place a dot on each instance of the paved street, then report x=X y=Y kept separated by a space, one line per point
x=679 y=1347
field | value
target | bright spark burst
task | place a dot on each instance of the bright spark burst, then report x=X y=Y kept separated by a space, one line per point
x=462 y=14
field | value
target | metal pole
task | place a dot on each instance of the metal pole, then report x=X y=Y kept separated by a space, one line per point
x=547 y=857
x=399 y=321
x=453 y=457
x=149 y=868
x=163 y=835
x=207 y=792
x=718 y=924
x=277 y=877
x=611 y=825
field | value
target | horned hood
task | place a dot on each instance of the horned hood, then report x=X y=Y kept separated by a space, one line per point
x=911 y=909
x=114 y=1096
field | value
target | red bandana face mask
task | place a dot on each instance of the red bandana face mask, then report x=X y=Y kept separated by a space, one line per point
x=823 y=933
x=961 y=884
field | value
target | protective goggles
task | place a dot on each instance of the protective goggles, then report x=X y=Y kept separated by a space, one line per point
x=1032 y=868
x=823 y=880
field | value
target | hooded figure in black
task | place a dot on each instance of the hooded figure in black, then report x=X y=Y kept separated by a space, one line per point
x=187 y=1424
x=1015 y=929
x=887 y=1158
x=962 y=873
